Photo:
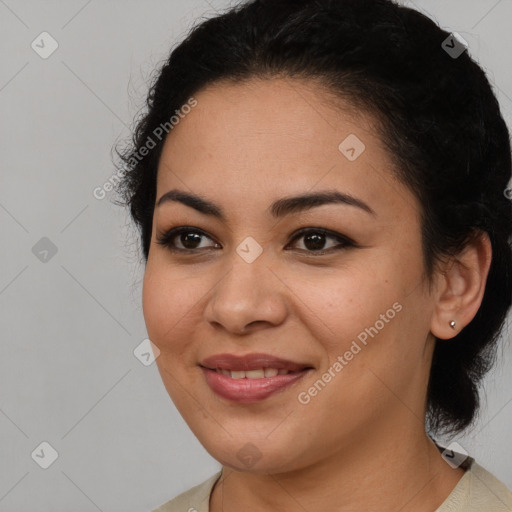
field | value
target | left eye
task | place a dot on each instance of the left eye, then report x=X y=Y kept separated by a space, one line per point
x=315 y=239
x=190 y=240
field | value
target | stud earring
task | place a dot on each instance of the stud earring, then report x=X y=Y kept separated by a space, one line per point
x=452 y=324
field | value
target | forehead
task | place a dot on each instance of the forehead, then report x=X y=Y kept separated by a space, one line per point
x=289 y=134
x=275 y=111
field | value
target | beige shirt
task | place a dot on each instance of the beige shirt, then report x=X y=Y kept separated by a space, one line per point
x=477 y=491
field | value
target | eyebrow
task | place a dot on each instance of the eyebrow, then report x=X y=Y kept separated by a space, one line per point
x=280 y=208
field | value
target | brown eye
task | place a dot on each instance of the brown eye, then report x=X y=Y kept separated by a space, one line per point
x=184 y=239
x=187 y=239
x=314 y=240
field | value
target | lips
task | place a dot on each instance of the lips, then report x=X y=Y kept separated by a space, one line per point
x=249 y=362
x=250 y=378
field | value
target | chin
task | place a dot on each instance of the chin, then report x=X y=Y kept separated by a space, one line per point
x=256 y=456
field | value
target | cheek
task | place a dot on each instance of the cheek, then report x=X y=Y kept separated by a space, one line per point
x=359 y=320
x=168 y=303
x=374 y=337
x=347 y=303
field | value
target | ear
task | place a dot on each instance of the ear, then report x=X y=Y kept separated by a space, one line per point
x=461 y=287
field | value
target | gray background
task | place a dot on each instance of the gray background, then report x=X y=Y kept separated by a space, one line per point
x=68 y=375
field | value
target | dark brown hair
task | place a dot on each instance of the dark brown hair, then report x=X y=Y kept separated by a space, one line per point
x=438 y=117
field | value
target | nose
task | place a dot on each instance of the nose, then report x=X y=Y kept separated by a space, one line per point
x=249 y=297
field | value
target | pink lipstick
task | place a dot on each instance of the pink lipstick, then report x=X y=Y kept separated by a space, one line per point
x=250 y=378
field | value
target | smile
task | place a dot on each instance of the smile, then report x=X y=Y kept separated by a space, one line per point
x=260 y=373
x=251 y=377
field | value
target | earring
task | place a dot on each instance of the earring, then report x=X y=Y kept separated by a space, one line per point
x=452 y=324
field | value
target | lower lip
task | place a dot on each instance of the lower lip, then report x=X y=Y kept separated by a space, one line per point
x=249 y=390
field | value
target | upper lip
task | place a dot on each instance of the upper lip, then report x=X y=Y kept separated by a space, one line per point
x=250 y=362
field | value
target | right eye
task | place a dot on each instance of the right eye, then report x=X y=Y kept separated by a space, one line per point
x=188 y=237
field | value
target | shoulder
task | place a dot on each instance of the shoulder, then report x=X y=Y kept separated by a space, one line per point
x=196 y=499
x=478 y=491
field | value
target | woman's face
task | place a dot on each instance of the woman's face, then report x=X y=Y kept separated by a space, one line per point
x=354 y=316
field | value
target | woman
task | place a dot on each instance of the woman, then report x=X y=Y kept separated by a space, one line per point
x=320 y=190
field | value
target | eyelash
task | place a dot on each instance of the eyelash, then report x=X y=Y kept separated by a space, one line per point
x=166 y=239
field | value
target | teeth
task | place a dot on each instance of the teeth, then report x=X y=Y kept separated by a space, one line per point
x=260 y=373
x=255 y=374
x=271 y=372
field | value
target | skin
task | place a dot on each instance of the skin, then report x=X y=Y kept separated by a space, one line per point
x=360 y=443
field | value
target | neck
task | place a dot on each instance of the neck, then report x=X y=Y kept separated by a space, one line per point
x=401 y=469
